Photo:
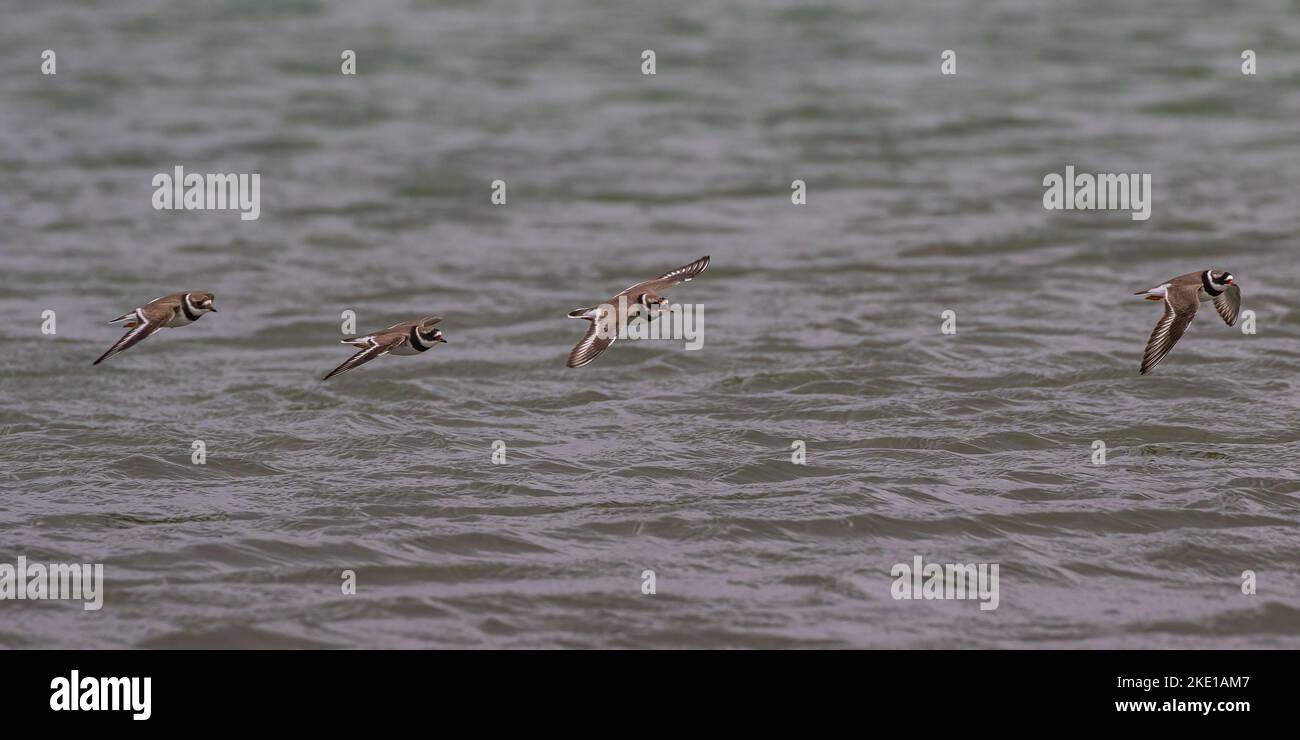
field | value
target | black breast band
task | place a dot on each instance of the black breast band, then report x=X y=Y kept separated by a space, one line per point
x=415 y=341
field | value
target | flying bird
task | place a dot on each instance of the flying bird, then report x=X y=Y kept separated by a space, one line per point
x=1182 y=296
x=177 y=309
x=406 y=338
x=611 y=317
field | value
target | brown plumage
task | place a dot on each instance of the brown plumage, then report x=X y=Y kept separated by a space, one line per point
x=1182 y=296
x=608 y=319
x=176 y=309
x=406 y=338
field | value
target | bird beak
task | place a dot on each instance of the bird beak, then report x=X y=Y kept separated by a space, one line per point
x=212 y=307
x=1231 y=281
x=440 y=339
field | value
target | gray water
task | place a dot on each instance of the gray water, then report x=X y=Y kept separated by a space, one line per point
x=822 y=323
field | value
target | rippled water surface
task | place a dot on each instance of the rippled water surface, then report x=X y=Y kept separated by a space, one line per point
x=822 y=323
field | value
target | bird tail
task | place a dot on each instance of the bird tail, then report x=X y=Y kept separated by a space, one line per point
x=584 y=313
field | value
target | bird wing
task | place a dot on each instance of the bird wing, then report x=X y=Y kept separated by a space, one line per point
x=591 y=346
x=405 y=326
x=142 y=328
x=378 y=346
x=670 y=278
x=1228 y=304
x=162 y=310
x=1180 y=308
